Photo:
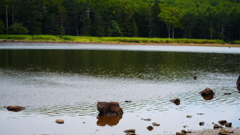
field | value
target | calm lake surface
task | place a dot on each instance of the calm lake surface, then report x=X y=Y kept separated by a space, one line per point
x=65 y=81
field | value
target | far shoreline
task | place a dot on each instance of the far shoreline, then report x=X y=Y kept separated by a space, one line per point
x=122 y=43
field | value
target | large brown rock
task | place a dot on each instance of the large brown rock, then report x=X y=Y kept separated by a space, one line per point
x=207 y=92
x=109 y=109
x=15 y=108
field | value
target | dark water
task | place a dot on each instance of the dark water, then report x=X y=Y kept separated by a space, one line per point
x=66 y=82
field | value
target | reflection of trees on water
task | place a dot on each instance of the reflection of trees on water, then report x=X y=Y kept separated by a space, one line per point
x=140 y=64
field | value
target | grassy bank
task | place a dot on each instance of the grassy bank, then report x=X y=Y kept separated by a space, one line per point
x=88 y=39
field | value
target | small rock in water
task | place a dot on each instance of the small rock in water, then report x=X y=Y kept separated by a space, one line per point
x=195 y=77
x=179 y=133
x=189 y=116
x=155 y=124
x=15 y=108
x=200 y=113
x=185 y=132
x=59 y=121
x=148 y=119
x=175 y=101
x=228 y=124
x=227 y=93
x=109 y=109
x=207 y=92
x=129 y=131
x=216 y=126
x=128 y=101
x=222 y=122
x=150 y=128
x=201 y=123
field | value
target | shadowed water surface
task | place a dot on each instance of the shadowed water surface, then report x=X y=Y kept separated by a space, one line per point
x=68 y=82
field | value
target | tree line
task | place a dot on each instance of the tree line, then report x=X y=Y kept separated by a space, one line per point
x=200 y=19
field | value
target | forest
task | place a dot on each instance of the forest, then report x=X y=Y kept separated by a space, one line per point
x=192 y=19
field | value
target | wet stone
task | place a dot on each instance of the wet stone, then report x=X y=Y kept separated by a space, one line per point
x=129 y=131
x=201 y=123
x=179 y=133
x=59 y=121
x=176 y=101
x=148 y=119
x=150 y=128
x=222 y=122
x=227 y=93
x=228 y=124
x=185 y=132
x=189 y=116
x=216 y=126
x=15 y=108
x=155 y=124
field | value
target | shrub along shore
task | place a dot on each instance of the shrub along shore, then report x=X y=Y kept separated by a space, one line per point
x=107 y=40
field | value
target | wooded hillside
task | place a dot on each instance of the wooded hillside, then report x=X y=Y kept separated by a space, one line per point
x=201 y=19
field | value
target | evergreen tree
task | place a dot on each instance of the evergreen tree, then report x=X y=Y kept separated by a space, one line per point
x=134 y=29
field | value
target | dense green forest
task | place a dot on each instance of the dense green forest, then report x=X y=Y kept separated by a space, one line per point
x=199 y=19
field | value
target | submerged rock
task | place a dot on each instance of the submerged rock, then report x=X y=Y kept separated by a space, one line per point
x=109 y=109
x=15 y=108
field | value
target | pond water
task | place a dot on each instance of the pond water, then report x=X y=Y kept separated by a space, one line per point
x=65 y=81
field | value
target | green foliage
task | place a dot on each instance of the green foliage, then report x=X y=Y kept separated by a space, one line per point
x=16 y=37
x=236 y=42
x=61 y=30
x=116 y=31
x=2 y=28
x=18 y=29
x=110 y=39
x=199 y=19
x=134 y=29
x=45 y=38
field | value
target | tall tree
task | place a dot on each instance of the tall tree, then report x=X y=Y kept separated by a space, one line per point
x=171 y=16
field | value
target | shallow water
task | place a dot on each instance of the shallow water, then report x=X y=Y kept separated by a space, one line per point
x=67 y=83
